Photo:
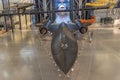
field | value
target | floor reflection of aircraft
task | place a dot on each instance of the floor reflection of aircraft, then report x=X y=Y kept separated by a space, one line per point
x=63 y=24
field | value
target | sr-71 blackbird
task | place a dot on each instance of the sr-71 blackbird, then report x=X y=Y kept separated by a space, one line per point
x=63 y=24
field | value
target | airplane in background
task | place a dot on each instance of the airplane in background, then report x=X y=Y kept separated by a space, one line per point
x=64 y=23
x=21 y=6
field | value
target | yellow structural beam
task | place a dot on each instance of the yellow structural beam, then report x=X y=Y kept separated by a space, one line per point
x=100 y=3
x=94 y=4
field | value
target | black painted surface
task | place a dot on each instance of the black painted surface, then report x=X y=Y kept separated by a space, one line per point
x=64 y=48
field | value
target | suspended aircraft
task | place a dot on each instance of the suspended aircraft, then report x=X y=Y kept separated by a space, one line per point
x=62 y=21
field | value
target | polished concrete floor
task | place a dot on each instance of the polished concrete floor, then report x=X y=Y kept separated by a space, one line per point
x=24 y=55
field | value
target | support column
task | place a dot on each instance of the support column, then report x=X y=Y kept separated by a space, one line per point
x=86 y=14
x=5 y=20
x=75 y=6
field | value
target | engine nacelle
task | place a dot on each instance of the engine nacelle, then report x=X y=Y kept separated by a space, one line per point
x=83 y=30
x=43 y=30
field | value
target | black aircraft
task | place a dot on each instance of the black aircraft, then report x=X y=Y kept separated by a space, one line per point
x=63 y=20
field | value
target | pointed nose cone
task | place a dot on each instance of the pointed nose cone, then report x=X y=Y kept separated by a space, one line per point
x=64 y=48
